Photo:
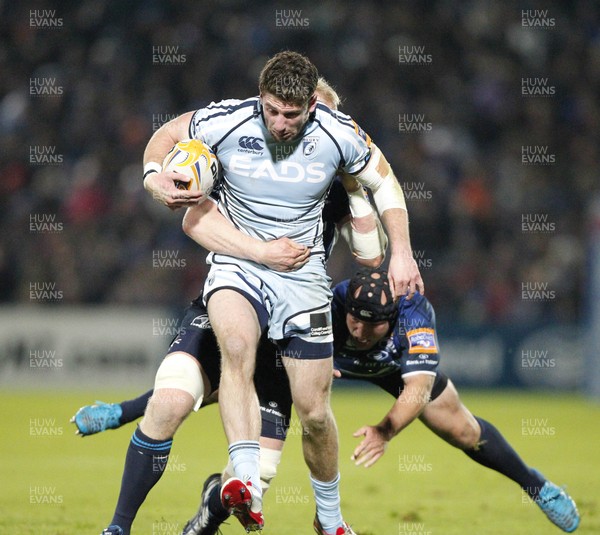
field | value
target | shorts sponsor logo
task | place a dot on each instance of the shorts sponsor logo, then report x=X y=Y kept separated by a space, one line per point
x=320 y=324
x=422 y=341
x=202 y=322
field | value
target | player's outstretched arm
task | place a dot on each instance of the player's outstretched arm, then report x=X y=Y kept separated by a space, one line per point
x=409 y=405
x=210 y=229
x=162 y=185
x=403 y=271
x=363 y=231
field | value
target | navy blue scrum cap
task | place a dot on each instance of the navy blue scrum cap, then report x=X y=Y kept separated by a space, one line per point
x=370 y=298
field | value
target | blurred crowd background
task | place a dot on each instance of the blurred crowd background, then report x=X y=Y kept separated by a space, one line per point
x=462 y=166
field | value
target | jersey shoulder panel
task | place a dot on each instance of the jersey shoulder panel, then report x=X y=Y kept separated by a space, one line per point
x=352 y=142
x=215 y=121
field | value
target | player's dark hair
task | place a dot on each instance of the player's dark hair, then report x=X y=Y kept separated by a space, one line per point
x=370 y=298
x=290 y=77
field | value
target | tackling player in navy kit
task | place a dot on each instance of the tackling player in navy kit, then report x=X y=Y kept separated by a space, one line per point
x=394 y=346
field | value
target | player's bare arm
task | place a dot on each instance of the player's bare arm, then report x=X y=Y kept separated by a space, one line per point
x=409 y=406
x=160 y=184
x=210 y=229
x=403 y=271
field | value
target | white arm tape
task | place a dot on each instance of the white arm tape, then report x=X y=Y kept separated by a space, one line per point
x=359 y=204
x=152 y=166
x=389 y=195
x=366 y=245
x=379 y=177
x=370 y=244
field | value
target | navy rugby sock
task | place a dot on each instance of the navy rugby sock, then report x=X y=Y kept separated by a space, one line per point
x=144 y=465
x=134 y=408
x=496 y=453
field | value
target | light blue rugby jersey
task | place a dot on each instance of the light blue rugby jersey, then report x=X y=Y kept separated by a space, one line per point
x=274 y=189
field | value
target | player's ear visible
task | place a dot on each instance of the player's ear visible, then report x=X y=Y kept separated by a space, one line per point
x=312 y=103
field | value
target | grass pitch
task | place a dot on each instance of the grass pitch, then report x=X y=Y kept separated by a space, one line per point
x=54 y=483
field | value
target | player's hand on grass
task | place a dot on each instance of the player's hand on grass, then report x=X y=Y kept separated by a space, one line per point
x=372 y=446
x=283 y=254
x=404 y=276
x=163 y=187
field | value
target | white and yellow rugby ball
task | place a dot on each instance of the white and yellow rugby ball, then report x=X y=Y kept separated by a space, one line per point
x=196 y=160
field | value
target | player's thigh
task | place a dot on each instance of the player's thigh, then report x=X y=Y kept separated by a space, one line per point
x=448 y=418
x=234 y=321
x=310 y=384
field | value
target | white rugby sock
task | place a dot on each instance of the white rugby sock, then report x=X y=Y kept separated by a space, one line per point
x=245 y=459
x=327 y=498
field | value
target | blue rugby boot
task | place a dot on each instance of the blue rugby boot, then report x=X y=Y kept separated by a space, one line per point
x=92 y=419
x=558 y=506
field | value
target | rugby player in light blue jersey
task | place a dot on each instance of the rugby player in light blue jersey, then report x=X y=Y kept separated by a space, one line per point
x=279 y=153
x=196 y=342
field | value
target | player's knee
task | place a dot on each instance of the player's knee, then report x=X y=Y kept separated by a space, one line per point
x=178 y=386
x=466 y=436
x=237 y=354
x=315 y=418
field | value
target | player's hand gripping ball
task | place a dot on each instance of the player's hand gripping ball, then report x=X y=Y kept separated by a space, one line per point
x=196 y=160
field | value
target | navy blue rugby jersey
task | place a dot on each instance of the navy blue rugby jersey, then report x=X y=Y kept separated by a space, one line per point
x=411 y=347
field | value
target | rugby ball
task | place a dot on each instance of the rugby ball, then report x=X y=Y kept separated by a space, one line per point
x=196 y=160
